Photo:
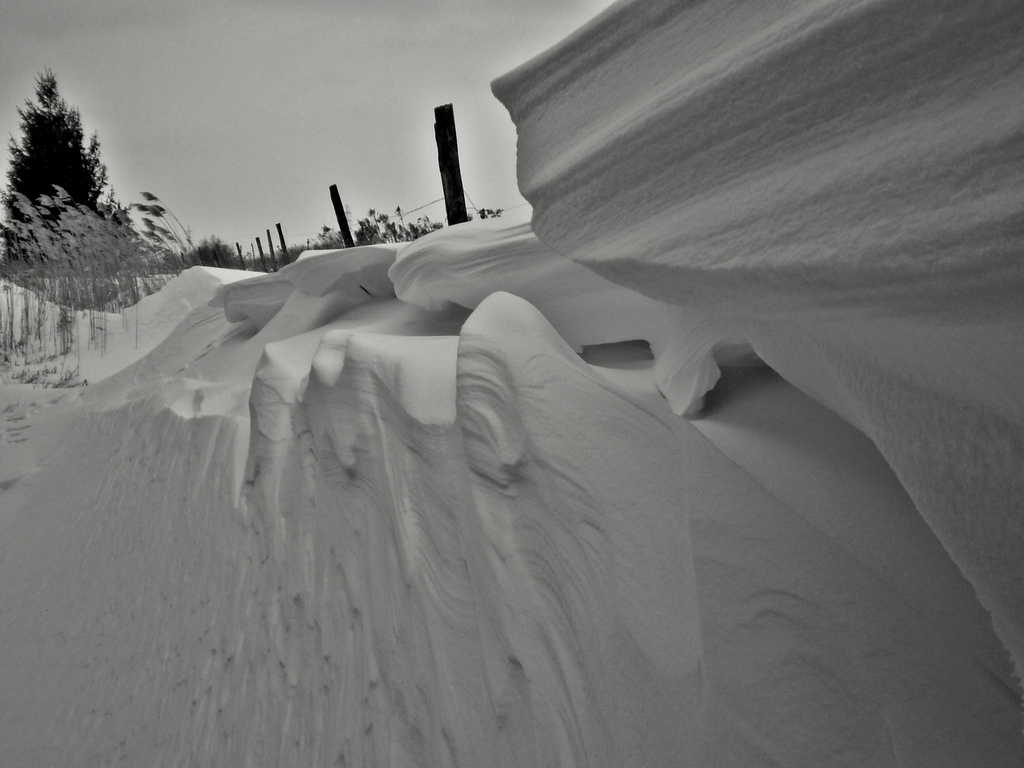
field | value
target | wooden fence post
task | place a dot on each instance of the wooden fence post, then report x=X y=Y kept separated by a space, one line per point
x=339 y=211
x=263 y=261
x=284 y=248
x=240 y=259
x=448 y=163
x=270 y=244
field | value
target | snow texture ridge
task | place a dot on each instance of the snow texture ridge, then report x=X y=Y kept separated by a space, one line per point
x=464 y=267
x=798 y=154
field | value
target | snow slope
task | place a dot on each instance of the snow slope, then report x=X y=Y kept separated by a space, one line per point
x=843 y=183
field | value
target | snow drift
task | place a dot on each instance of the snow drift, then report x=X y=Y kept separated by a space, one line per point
x=434 y=505
x=842 y=181
x=364 y=532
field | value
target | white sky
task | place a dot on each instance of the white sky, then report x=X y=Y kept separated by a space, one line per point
x=240 y=114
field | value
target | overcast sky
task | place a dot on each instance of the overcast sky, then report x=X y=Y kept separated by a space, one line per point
x=239 y=114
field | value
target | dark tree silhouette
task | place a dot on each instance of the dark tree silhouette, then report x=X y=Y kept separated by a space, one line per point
x=52 y=151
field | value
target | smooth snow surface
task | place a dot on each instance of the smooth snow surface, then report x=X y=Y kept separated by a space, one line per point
x=843 y=181
x=434 y=504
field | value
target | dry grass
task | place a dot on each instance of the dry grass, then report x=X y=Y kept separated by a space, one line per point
x=64 y=260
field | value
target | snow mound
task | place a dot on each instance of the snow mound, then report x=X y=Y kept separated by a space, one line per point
x=257 y=298
x=362 y=269
x=474 y=260
x=359 y=273
x=843 y=182
x=468 y=264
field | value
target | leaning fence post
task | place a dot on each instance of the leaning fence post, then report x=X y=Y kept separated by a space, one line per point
x=240 y=259
x=448 y=163
x=263 y=261
x=284 y=248
x=270 y=244
x=339 y=211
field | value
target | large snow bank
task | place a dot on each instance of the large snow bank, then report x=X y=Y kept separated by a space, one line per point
x=843 y=181
x=357 y=531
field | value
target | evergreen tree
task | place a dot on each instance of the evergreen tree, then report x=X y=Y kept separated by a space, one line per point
x=52 y=152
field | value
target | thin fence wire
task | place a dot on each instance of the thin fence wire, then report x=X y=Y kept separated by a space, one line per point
x=423 y=206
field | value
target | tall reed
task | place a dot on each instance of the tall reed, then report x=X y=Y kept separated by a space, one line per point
x=61 y=259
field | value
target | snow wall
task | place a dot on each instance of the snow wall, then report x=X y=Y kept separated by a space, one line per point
x=837 y=184
x=433 y=505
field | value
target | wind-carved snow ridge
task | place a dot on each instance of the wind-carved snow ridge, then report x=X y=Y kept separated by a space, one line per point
x=842 y=183
x=465 y=266
x=471 y=573
x=314 y=274
x=501 y=557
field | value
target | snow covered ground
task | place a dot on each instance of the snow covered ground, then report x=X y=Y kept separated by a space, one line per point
x=435 y=504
